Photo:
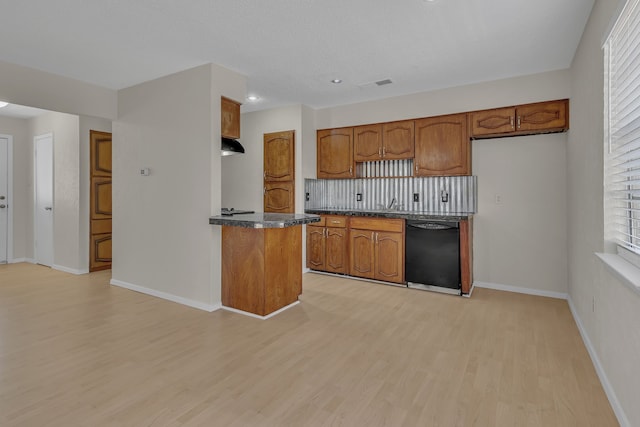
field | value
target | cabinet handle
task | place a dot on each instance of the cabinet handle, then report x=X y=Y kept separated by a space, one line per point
x=335 y=222
x=264 y=175
x=384 y=151
x=264 y=191
x=518 y=122
x=511 y=121
x=379 y=152
x=350 y=170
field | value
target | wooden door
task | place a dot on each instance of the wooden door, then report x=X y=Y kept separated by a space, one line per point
x=335 y=153
x=493 y=122
x=542 y=116
x=367 y=143
x=100 y=201
x=336 y=255
x=398 y=140
x=442 y=146
x=389 y=257
x=361 y=254
x=316 y=247
x=279 y=197
x=279 y=150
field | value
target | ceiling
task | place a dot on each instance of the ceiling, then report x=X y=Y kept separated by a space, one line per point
x=291 y=49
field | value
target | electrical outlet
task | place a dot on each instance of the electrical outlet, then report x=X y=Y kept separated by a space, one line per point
x=498 y=199
x=359 y=197
x=416 y=197
x=306 y=197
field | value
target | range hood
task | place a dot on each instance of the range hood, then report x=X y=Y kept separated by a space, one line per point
x=231 y=146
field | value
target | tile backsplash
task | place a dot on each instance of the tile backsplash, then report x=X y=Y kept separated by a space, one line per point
x=443 y=194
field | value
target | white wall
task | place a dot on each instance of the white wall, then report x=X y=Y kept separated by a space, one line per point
x=522 y=243
x=607 y=310
x=66 y=188
x=162 y=241
x=34 y=88
x=19 y=129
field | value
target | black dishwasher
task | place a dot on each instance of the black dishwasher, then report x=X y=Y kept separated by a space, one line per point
x=432 y=255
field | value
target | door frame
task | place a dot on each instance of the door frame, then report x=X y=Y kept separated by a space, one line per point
x=9 y=197
x=35 y=197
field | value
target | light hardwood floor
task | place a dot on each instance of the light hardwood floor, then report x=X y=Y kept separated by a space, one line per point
x=75 y=351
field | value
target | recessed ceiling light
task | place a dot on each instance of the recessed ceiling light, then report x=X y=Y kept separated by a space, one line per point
x=3 y=104
x=336 y=81
x=252 y=98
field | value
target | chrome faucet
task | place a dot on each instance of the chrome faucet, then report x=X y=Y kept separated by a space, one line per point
x=392 y=203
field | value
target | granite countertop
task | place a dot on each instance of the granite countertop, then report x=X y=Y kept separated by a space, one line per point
x=392 y=213
x=264 y=220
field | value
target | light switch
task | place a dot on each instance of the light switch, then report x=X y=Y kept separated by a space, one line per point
x=144 y=171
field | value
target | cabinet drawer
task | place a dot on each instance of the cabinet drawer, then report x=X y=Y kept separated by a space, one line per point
x=377 y=224
x=336 y=221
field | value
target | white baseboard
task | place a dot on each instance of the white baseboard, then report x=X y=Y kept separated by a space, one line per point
x=604 y=380
x=17 y=260
x=164 y=295
x=519 y=290
x=68 y=270
x=257 y=316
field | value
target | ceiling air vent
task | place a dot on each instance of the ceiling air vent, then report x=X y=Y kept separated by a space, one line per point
x=384 y=82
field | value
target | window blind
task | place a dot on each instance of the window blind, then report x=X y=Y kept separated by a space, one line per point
x=622 y=128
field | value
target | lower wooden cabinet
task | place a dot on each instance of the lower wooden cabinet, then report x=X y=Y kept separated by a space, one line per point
x=377 y=249
x=327 y=244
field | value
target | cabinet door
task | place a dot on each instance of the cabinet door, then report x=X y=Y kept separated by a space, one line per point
x=230 y=118
x=279 y=197
x=335 y=153
x=336 y=255
x=279 y=148
x=315 y=247
x=542 y=116
x=367 y=143
x=398 y=140
x=361 y=254
x=389 y=257
x=442 y=146
x=493 y=122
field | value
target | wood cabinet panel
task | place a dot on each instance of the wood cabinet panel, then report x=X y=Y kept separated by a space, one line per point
x=230 y=118
x=389 y=257
x=279 y=197
x=335 y=221
x=361 y=254
x=377 y=224
x=442 y=146
x=367 y=143
x=101 y=198
x=491 y=122
x=398 y=140
x=335 y=153
x=100 y=251
x=337 y=255
x=327 y=247
x=466 y=255
x=542 y=116
x=279 y=155
x=100 y=153
x=316 y=247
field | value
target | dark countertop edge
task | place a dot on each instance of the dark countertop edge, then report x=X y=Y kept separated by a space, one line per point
x=458 y=216
x=260 y=221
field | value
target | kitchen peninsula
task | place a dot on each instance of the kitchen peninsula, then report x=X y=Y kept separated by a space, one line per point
x=261 y=260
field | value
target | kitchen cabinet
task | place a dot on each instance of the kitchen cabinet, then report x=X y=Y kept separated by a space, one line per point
x=386 y=141
x=442 y=146
x=327 y=245
x=335 y=153
x=539 y=117
x=466 y=255
x=230 y=125
x=377 y=249
x=279 y=172
x=279 y=197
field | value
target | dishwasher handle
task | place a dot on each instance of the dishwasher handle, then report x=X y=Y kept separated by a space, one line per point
x=433 y=225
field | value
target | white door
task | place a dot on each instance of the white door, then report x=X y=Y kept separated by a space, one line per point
x=4 y=198
x=43 y=216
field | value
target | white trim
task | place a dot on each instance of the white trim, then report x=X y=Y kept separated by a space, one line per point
x=520 y=290
x=604 y=380
x=17 y=260
x=166 y=296
x=53 y=193
x=68 y=270
x=624 y=270
x=256 y=316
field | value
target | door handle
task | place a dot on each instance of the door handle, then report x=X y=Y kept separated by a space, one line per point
x=48 y=208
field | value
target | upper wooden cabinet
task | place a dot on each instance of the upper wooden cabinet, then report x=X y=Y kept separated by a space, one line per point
x=279 y=149
x=279 y=197
x=230 y=126
x=442 y=146
x=388 y=141
x=335 y=153
x=540 y=117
